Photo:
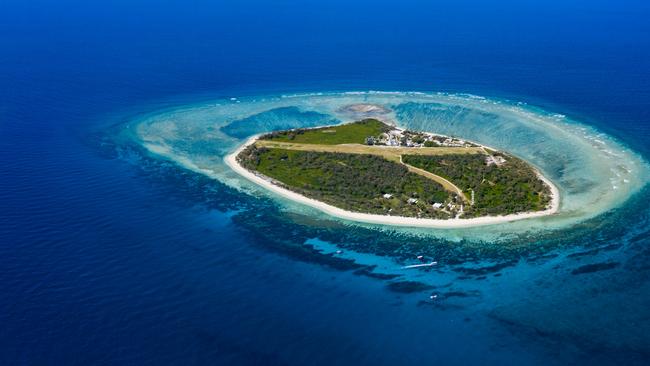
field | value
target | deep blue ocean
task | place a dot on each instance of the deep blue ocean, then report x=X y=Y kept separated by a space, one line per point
x=111 y=257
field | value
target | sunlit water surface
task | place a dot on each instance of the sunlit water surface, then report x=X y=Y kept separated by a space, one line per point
x=535 y=283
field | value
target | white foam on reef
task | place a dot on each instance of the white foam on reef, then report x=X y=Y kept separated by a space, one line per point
x=583 y=163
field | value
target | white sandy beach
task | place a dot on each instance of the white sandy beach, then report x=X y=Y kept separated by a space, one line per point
x=231 y=161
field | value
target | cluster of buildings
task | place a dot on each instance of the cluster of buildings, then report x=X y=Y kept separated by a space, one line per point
x=453 y=142
x=436 y=206
x=497 y=160
x=399 y=137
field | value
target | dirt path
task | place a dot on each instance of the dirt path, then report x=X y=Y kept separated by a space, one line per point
x=389 y=153
x=444 y=182
x=392 y=153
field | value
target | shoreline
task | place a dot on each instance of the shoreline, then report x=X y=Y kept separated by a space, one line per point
x=231 y=161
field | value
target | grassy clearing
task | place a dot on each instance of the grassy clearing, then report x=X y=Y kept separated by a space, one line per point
x=387 y=152
x=351 y=133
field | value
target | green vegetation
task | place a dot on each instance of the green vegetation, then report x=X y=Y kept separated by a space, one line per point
x=508 y=188
x=351 y=133
x=353 y=182
x=349 y=166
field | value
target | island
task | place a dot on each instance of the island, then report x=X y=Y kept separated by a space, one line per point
x=375 y=172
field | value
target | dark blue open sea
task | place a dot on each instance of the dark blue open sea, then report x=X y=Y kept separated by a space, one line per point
x=111 y=256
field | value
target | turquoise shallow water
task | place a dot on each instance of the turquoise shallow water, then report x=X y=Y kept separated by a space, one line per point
x=539 y=280
x=593 y=171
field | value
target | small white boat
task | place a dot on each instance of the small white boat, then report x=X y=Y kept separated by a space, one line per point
x=420 y=265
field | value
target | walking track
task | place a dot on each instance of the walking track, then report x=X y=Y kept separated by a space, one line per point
x=388 y=152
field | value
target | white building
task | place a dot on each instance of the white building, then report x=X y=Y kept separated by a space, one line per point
x=495 y=159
